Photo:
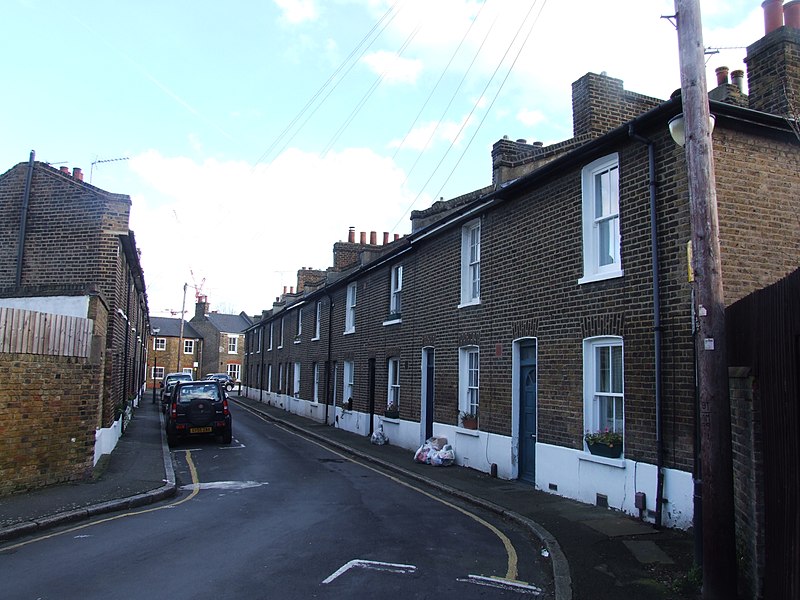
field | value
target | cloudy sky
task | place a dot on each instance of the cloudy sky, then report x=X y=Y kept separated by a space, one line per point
x=251 y=134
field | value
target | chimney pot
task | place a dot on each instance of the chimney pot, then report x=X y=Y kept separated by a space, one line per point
x=737 y=78
x=373 y=238
x=284 y=289
x=396 y=236
x=77 y=174
x=351 y=235
x=538 y=144
x=385 y=237
x=363 y=237
x=291 y=290
x=522 y=141
x=65 y=170
x=722 y=75
x=773 y=15
x=791 y=14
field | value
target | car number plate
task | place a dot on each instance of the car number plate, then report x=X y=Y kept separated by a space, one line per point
x=200 y=430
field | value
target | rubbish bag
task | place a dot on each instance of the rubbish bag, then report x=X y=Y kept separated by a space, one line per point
x=444 y=457
x=378 y=437
x=432 y=447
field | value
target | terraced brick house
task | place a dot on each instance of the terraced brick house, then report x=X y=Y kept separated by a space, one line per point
x=223 y=339
x=173 y=349
x=73 y=324
x=556 y=301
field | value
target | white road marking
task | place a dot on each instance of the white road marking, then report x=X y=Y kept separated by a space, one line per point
x=224 y=485
x=504 y=584
x=371 y=564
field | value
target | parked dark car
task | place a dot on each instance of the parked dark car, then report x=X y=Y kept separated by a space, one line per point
x=199 y=408
x=223 y=378
x=167 y=385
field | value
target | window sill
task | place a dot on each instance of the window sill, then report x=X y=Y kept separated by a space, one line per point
x=468 y=432
x=315 y=339
x=349 y=331
x=618 y=463
x=296 y=342
x=392 y=322
x=601 y=276
x=391 y=420
x=470 y=303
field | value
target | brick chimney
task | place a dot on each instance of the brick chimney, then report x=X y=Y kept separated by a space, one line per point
x=773 y=62
x=201 y=308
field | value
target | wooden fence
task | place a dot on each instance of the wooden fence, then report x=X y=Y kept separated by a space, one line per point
x=31 y=332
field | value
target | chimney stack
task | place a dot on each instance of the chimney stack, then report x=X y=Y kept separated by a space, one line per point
x=351 y=235
x=77 y=174
x=385 y=237
x=773 y=15
x=722 y=75
x=396 y=236
x=373 y=238
x=65 y=170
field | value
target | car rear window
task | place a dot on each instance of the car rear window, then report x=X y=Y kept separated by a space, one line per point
x=198 y=391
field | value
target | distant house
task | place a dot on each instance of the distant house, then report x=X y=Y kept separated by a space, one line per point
x=73 y=324
x=223 y=339
x=173 y=349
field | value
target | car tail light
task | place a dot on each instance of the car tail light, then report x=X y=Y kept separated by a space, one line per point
x=174 y=410
x=225 y=410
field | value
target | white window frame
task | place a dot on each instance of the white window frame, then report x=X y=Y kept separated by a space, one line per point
x=271 y=327
x=260 y=339
x=469 y=363
x=317 y=319
x=296 y=380
x=396 y=294
x=335 y=379
x=280 y=339
x=188 y=370
x=299 y=328
x=233 y=342
x=281 y=377
x=269 y=377
x=393 y=382
x=316 y=383
x=188 y=346
x=350 y=308
x=159 y=344
x=603 y=172
x=595 y=400
x=234 y=370
x=347 y=380
x=157 y=373
x=471 y=263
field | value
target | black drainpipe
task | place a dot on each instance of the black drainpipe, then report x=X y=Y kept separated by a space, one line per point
x=329 y=364
x=656 y=321
x=23 y=220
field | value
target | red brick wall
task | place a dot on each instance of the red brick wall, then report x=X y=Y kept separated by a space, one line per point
x=48 y=412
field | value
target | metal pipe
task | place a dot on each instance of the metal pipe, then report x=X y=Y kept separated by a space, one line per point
x=656 y=293
x=23 y=220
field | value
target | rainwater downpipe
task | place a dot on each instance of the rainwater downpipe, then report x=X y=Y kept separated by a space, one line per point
x=656 y=321
x=329 y=364
x=23 y=220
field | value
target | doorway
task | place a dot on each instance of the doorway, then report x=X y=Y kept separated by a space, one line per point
x=527 y=408
x=427 y=393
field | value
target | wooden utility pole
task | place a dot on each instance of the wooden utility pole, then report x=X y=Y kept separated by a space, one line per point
x=180 y=343
x=719 y=556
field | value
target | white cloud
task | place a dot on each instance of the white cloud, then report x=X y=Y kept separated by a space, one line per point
x=297 y=11
x=393 y=68
x=530 y=117
x=248 y=230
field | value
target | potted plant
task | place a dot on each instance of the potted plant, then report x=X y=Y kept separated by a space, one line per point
x=604 y=443
x=347 y=404
x=469 y=420
x=392 y=412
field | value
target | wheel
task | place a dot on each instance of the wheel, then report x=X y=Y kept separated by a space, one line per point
x=229 y=387
x=227 y=436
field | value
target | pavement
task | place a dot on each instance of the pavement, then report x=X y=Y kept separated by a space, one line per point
x=595 y=552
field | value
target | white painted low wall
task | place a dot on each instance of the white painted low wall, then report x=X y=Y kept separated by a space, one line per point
x=106 y=438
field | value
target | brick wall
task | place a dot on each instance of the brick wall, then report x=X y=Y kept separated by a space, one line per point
x=48 y=413
x=773 y=72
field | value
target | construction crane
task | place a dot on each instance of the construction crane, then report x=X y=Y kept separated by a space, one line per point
x=198 y=289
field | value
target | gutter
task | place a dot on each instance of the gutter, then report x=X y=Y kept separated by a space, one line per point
x=656 y=320
x=23 y=221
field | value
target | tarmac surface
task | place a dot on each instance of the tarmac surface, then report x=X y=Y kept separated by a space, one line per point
x=595 y=552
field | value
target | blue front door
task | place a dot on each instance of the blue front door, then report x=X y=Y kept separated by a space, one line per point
x=527 y=405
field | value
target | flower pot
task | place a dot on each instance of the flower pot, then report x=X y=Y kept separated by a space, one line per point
x=605 y=450
x=392 y=414
x=469 y=423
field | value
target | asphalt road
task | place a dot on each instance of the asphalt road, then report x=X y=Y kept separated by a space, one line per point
x=274 y=515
